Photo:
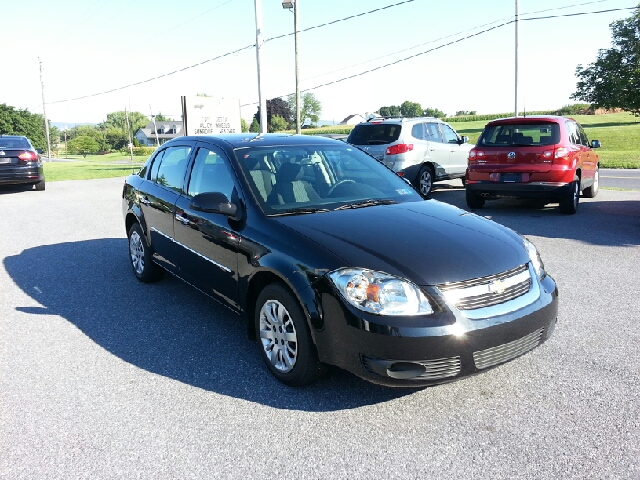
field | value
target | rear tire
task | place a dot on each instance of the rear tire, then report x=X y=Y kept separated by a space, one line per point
x=284 y=338
x=39 y=187
x=474 y=201
x=424 y=182
x=569 y=204
x=592 y=191
x=140 y=256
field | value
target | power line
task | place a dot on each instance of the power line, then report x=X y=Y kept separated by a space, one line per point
x=230 y=53
x=453 y=42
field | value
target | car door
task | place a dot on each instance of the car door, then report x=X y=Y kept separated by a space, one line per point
x=209 y=241
x=589 y=158
x=438 y=150
x=458 y=151
x=158 y=196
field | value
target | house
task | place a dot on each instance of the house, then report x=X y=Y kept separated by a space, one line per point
x=352 y=119
x=160 y=132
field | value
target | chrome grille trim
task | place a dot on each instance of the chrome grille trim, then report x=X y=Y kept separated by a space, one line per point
x=488 y=291
x=505 y=352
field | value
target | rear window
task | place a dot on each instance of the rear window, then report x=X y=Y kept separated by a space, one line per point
x=377 y=134
x=15 y=142
x=520 y=134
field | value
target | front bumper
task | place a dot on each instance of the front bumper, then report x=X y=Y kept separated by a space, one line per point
x=445 y=346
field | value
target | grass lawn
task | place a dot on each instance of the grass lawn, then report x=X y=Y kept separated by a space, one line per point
x=85 y=170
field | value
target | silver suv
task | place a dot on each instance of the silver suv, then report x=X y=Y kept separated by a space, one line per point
x=423 y=150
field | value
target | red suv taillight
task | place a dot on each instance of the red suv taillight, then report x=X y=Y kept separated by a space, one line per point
x=28 y=156
x=475 y=155
x=400 y=148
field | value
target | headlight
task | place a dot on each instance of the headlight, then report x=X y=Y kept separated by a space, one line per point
x=380 y=293
x=536 y=261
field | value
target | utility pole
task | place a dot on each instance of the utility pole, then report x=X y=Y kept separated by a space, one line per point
x=515 y=113
x=44 y=112
x=126 y=116
x=155 y=127
x=259 y=42
x=296 y=6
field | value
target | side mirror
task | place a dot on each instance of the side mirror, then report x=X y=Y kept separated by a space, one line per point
x=595 y=144
x=464 y=139
x=214 y=202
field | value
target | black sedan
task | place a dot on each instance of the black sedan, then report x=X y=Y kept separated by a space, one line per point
x=20 y=163
x=331 y=258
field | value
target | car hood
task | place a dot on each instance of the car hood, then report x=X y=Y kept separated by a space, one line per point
x=428 y=242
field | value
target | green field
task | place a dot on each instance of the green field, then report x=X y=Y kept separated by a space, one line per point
x=619 y=134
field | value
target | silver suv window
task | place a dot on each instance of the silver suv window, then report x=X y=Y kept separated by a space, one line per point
x=374 y=134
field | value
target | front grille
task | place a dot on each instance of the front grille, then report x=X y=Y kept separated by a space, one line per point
x=434 y=369
x=505 y=352
x=490 y=290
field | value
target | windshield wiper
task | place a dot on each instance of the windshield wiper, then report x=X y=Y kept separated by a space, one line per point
x=299 y=211
x=366 y=203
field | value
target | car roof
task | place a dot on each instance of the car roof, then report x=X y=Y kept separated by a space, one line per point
x=241 y=140
x=378 y=120
x=13 y=136
x=531 y=118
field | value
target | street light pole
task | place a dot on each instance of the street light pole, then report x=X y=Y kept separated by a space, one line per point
x=259 y=42
x=515 y=114
x=44 y=112
x=295 y=5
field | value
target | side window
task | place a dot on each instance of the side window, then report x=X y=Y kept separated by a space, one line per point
x=583 y=136
x=432 y=133
x=417 y=131
x=211 y=173
x=573 y=133
x=173 y=166
x=450 y=136
x=155 y=165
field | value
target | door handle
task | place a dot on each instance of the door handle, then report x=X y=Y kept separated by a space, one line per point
x=145 y=200
x=182 y=220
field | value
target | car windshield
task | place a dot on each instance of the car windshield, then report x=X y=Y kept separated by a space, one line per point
x=292 y=179
x=519 y=134
x=16 y=142
x=374 y=134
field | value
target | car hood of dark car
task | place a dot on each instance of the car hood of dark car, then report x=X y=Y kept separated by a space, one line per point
x=427 y=242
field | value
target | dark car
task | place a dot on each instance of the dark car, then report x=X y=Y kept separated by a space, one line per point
x=331 y=258
x=544 y=157
x=20 y=163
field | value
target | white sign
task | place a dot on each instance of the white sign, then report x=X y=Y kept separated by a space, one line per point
x=210 y=116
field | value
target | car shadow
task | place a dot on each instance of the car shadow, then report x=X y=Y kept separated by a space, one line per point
x=598 y=222
x=168 y=328
x=8 y=189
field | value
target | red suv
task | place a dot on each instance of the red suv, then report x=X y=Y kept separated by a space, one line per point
x=545 y=157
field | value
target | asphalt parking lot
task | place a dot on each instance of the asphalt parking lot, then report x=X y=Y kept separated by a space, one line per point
x=104 y=377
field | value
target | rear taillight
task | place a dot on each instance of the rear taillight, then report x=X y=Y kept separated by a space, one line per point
x=561 y=152
x=400 y=148
x=28 y=156
x=475 y=155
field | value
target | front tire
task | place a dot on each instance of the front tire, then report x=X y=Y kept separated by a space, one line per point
x=284 y=338
x=140 y=256
x=569 y=204
x=474 y=201
x=424 y=182
x=592 y=191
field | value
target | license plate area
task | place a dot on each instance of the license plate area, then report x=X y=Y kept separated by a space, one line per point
x=5 y=160
x=511 y=177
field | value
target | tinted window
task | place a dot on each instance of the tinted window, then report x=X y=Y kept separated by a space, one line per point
x=211 y=173
x=449 y=135
x=417 y=131
x=376 y=134
x=15 y=142
x=574 y=137
x=172 y=167
x=433 y=133
x=520 y=134
x=583 y=136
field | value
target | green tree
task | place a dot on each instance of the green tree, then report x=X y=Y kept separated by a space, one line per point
x=255 y=126
x=278 y=124
x=390 y=111
x=22 y=122
x=410 y=109
x=433 y=112
x=613 y=80
x=275 y=106
x=82 y=145
x=243 y=125
x=310 y=108
x=119 y=120
x=161 y=118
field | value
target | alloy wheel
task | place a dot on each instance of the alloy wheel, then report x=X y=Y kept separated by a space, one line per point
x=136 y=250
x=278 y=336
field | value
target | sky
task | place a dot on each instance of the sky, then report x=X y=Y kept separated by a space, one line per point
x=454 y=55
